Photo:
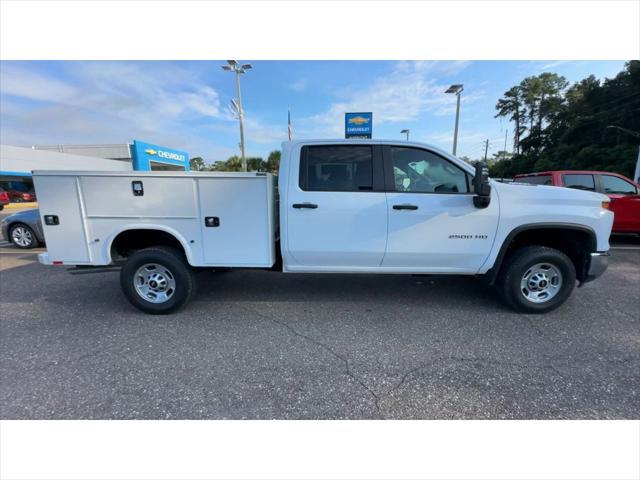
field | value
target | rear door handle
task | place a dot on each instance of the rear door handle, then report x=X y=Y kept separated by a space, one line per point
x=304 y=205
x=405 y=206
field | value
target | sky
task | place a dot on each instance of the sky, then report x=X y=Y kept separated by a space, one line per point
x=184 y=104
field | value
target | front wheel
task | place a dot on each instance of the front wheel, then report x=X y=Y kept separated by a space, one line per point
x=157 y=280
x=536 y=279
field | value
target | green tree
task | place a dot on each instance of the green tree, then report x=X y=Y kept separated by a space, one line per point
x=566 y=128
x=273 y=162
x=256 y=164
x=511 y=105
x=234 y=164
x=197 y=164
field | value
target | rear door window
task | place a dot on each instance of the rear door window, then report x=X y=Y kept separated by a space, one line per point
x=579 y=181
x=535 y=179
x=337 y=168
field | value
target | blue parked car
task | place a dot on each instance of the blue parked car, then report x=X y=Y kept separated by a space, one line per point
x=23 y=229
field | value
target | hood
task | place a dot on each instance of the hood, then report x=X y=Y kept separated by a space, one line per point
x=548 y=195
x=32 y=213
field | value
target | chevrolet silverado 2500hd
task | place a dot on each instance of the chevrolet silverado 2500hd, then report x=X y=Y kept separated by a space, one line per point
x=339 y=206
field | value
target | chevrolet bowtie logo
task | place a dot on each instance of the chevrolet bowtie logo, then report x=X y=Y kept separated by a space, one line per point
x=150 y=151
x=358 y=120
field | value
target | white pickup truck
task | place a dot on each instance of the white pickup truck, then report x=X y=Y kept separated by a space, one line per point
x=338 y=206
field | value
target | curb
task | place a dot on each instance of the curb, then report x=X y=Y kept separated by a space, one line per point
x=22 y=205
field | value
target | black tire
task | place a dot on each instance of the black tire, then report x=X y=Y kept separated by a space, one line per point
x=29 y=236
x=1 y=207
x=519 y=263
x=180 y=275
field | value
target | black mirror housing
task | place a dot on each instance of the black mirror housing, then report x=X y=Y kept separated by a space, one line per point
x=481 y=186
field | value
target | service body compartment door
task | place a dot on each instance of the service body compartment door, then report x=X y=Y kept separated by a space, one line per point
x=68 y=240
x=236 y=215
x=336 y=209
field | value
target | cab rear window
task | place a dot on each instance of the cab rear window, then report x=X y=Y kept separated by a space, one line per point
x=535 y=179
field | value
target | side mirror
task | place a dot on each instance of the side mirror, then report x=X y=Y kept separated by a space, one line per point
x=481 y=186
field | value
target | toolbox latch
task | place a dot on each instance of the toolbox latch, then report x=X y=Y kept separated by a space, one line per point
x=51 y=220
x=137 y=188
x=211 y=221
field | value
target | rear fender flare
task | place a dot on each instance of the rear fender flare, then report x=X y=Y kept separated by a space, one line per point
x=106 y=250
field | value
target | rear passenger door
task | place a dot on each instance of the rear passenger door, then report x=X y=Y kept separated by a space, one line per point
x=336 y=208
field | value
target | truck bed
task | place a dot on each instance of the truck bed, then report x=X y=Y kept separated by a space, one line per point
x=221 y=219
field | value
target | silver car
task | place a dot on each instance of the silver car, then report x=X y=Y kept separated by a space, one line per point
x=23 y=229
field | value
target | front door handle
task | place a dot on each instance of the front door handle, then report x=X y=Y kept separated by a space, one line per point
x=405 y=206
x=304 y=205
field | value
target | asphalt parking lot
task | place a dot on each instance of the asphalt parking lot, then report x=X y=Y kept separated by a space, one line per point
x=261 y=345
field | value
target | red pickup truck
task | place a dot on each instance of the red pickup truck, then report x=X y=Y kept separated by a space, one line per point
x=624 y=193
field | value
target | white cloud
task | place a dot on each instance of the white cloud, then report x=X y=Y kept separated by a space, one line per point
x=299 y=85
x=128 y=91
x=106 y=102
x=411 y=89
x=436 y=66
x=20 y=82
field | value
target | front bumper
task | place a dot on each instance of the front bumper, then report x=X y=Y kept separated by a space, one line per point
x=598 y=263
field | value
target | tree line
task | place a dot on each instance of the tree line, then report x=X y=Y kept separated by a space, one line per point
x=234 y=164
x=590 y=125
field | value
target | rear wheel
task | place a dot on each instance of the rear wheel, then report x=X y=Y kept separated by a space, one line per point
x=536 y=279
x=157 y=280
x=22 y=236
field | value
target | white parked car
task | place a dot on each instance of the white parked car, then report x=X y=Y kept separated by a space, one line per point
x=340 y=206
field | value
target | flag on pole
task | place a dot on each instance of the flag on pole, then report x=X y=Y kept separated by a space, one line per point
x=289 y=123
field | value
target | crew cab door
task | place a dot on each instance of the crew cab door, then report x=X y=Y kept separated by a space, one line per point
x=433 y=224
x=336 y=208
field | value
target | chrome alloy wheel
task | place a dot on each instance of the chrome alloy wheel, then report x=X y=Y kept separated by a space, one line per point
x=21 y=236
x=155 y=283
x=541 y=282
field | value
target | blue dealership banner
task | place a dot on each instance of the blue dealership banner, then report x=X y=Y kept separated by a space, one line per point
x=147 y=156
x=358 y=125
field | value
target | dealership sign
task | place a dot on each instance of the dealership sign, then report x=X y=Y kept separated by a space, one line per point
x=358 y=125
x=147 y=156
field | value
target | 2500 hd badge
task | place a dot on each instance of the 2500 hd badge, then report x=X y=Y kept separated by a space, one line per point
x=467 y=237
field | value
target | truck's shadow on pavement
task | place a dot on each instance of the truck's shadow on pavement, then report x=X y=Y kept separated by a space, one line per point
x=404 y=290
x=30 y=282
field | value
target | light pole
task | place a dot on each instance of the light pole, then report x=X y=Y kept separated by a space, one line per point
x=238 y=69
x=457 y=89
x=406 y=130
